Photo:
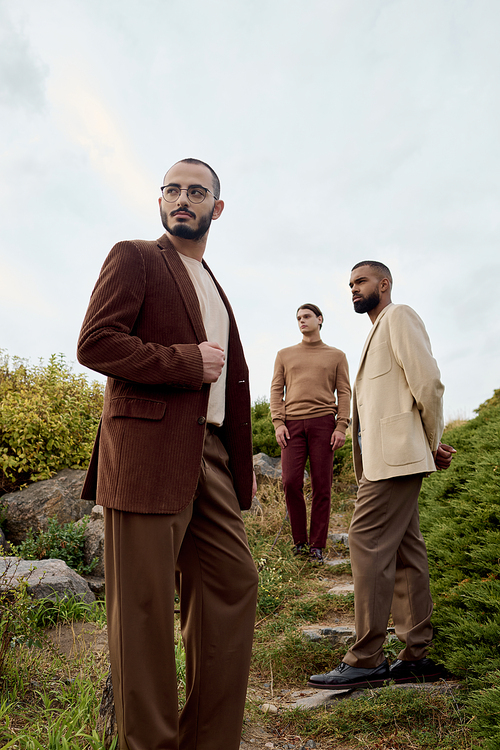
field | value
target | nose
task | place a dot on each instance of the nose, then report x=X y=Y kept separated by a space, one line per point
x=183 y=197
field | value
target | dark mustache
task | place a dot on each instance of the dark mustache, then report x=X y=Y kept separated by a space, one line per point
x=183 y=211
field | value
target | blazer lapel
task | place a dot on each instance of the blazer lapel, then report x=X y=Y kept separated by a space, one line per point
x=372 y=331
x=184 y=285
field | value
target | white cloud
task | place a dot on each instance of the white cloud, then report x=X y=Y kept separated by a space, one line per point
x=341 y=129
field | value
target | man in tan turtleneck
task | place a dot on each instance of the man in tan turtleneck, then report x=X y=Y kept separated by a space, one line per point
x=310 y=406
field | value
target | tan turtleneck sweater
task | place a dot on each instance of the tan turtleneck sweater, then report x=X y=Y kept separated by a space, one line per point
x=306 y=377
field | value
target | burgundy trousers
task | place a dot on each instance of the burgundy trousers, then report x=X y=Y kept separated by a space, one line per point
x=390 y=571
x=309 y=437
x=202 y=552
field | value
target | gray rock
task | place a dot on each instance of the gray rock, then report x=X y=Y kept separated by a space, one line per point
x=339 y=539
x=46 y=579
x=266 y=467
x=341 y=589
x=343 y=635
x=94 y=540
x=32 y=507
x=311 y=699
x=269 y=708
x=96 y=584
x=308 y=700
x=338 y=561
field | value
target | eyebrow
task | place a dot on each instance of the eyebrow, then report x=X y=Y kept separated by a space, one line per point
x=177 y=184
x=357 y=280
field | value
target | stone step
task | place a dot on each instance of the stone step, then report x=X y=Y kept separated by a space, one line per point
x=342 y=589
x=338 y=561
x=342 y=634
x=310 y=698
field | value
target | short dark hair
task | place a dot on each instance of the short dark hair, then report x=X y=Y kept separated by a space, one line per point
x=382 y=269
x=215 y=179
x=313 y=308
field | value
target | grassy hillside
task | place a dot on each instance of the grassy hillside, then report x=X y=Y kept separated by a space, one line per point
x=460 y=518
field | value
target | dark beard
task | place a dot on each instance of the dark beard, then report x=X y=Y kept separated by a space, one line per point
x=185 y=231
x=367 y=303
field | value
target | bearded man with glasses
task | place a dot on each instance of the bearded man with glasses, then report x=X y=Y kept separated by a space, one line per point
x=172 y=466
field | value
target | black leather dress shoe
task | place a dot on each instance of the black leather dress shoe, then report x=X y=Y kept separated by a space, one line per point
x=346 y=676
x=421 y=670
x=316 y=555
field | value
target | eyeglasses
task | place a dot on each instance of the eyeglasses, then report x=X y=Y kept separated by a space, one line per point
x=195 y=193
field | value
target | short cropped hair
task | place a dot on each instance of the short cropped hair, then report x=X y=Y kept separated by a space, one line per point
x=215 y=179
x=382 y=269
x=313 y=308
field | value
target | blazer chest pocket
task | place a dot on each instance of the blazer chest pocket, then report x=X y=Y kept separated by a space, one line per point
x=378 y=361
x=137 y=408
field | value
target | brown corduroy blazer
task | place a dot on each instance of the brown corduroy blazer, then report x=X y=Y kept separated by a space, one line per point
x=142 y=330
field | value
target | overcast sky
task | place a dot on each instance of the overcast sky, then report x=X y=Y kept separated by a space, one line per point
x=342 y=130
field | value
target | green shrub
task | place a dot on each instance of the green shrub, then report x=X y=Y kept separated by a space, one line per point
x=48 y=419
x=342 y=463
x=62 y=542
x=264 y=440
x=460 y=518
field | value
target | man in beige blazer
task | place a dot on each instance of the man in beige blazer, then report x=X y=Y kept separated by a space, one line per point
x=172 y=465
x=397 y=426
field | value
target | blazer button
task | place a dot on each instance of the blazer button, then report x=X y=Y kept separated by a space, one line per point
x=201 y=420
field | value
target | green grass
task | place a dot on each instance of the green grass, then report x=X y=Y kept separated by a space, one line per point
x=51 y=702
x=385 y=719
x=459 y=515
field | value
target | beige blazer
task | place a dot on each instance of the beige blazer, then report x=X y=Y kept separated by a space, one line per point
x=398 y=399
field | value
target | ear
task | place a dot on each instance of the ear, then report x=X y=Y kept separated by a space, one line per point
x=218 y=209
x=384 y=285
x=159 y=202
x=320 y=318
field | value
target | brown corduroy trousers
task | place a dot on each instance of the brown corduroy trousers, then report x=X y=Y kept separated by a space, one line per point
x=202 y=552
x=390 y=571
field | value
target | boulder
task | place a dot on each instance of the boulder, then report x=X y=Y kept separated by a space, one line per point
x=94 y=540
x=266 y=468
x=46 y=579
x=32 y=507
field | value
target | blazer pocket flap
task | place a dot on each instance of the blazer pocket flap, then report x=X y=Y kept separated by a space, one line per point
x=378 y=361
x=137 y=408
x=403 y=440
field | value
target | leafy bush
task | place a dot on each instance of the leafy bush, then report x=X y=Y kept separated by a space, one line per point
x=264 y=440
x=460 y=518
x=48 y=419
x=342 y=463
x=63 y=542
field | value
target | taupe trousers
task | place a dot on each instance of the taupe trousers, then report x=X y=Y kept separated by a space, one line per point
x=390 y=570
x=202 y=552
